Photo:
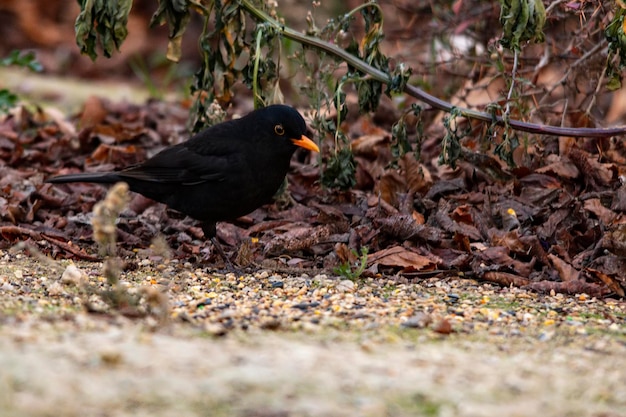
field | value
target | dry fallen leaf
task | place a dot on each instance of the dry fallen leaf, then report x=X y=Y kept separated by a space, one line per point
x=398 y=256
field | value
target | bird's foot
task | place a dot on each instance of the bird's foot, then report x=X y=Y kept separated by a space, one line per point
x=229 y=265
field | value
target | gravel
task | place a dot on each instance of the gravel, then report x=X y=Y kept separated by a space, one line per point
x=181 y=340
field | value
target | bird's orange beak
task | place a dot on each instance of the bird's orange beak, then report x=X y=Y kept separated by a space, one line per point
x=306 y=143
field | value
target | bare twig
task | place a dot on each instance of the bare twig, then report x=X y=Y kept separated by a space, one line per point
x=507 y=111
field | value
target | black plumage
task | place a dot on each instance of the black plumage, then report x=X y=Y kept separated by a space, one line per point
x=221 y=173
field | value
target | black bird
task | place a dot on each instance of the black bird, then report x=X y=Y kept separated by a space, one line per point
x=222 y=173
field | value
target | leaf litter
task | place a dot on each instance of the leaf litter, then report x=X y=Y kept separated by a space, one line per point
x=557 y=227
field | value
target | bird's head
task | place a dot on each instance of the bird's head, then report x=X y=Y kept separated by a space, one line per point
x=284 y=122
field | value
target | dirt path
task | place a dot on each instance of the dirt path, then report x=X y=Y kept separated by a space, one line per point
x=271 y=345
x=126 y=371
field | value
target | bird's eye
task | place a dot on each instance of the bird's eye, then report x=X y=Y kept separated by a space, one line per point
x=279 y=130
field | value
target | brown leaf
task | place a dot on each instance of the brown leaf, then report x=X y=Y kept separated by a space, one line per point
x=405 y=227
x=535 y=248
x=505 y=279
x=604 y=173
x=614 y=240
x=418 y=177
x=398 y=256
x=566 y=271
x=93 y=113
x=367 y=173
x=390 y=186
x=563 y=168
x=297 y=238
x=453 y=258
x=451 y=226
x=610 y=282
x=570 y=287
x=462 y=214
x=365 y=126
x=619 y=200
x=594 y=172
x=445 y=187
x=344 y=254
x=594 y=205
x=541 y=181
x=370 y=145
x=121 y=155
x=479 y=162
x=498 y=256
x=548 y=228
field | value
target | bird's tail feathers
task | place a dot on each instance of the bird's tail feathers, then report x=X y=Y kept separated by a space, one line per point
x=97 y=177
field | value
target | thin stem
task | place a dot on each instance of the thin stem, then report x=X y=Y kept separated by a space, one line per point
x=255 y=76
x=592 y=102
x=364 y=6
x=507 y=110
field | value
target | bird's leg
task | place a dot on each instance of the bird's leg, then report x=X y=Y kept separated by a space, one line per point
x=217 y=246
x=210 y=232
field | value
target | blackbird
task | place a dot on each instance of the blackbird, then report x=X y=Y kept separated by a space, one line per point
x=221 y=173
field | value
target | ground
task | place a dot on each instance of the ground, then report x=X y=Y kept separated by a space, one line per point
x=267 y=344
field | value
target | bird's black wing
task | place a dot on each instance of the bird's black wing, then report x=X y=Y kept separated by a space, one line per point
x=181 y=165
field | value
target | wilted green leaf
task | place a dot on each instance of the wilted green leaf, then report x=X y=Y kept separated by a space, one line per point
x=451 y=143
x=176 y=14
x=522 y=21
x=399 y=77
x=505 y=149
x=102 y=22
x=616 y=36
x=369 y=91
x=340 y=170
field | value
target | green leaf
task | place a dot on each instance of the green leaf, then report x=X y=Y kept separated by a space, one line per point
x=8 y=100
x=353 y=272
x=22 y=59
